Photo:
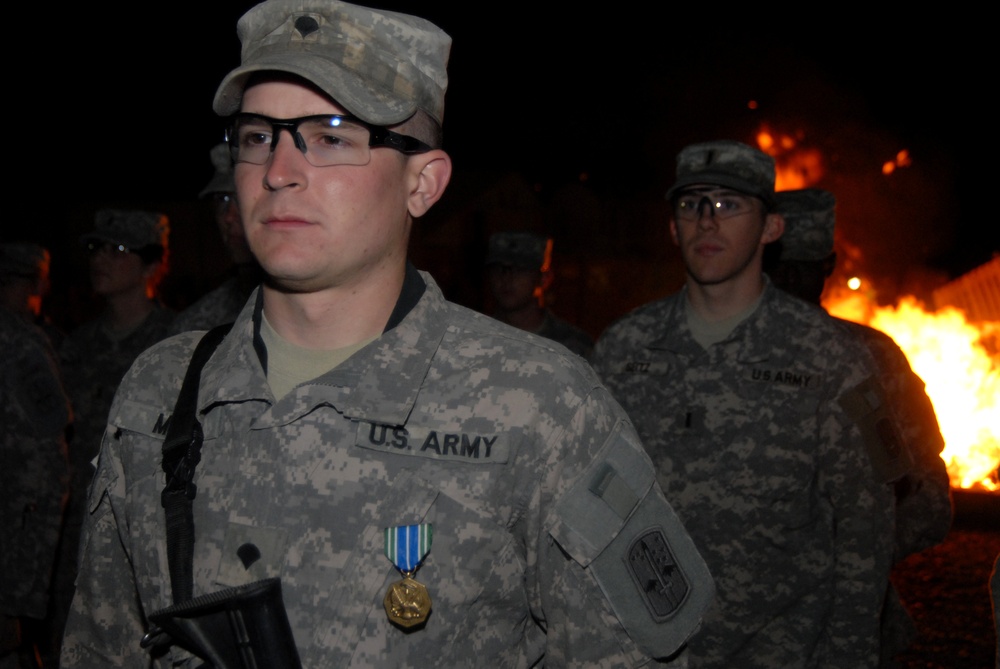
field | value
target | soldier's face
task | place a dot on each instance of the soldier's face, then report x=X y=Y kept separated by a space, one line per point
x=718 y=250
x=513 y=287
x=114 y=272
x=313 y=228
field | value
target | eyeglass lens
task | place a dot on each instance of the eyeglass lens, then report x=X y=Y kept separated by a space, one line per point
x=721 y=205
x=325 y=140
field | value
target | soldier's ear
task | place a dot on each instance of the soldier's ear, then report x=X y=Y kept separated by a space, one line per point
x=673 y=232
x=774 y=227
x=430 y=173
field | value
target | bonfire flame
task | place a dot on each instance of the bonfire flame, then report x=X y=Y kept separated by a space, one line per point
x=962 y=379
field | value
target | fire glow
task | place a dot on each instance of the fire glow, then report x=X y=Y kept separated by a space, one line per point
x=962 y=378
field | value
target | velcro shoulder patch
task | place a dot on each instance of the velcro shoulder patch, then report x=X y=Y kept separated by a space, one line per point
x=866 y=405
x=616 y=522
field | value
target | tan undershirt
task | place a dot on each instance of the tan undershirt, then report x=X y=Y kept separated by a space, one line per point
x=707 y=332
x=288 y=365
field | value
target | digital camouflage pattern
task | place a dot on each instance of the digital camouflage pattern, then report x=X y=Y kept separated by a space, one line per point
x=93 y=363
x=923 y=496
x=809 y=222
x=220 y=305
x=34 y=473
x=725 y=164
x=222 y=180
x=566 y=333
x=520 y=249
x=24 y=259
x=533 y=479
x=380 y=66
x=135 y=229
x=769 y=475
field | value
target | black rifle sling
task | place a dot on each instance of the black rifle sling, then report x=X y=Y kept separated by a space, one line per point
x=181 y=453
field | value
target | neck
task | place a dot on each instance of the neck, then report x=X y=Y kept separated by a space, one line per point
x=334 y=317
x=716 y=302
x=127 y=310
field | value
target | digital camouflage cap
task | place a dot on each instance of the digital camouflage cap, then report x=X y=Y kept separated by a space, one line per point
x=24 y=259
x=809 y=222
x=380 y=66
x=727 y=164
x=520 y=249
x=222 y=180
x=135 y=229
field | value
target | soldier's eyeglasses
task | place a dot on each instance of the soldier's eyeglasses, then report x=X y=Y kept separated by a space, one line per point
x=325 y=139
x=93 y=248
x=722 y=204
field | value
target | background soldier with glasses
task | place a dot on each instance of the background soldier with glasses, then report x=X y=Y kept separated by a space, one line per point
x=760 y=417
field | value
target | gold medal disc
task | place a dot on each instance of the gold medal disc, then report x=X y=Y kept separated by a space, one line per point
x=407 y=602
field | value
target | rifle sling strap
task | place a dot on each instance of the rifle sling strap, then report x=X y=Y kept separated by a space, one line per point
x=181 y=453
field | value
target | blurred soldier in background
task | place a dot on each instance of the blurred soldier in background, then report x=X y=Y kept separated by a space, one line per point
x=128 y=257
x=753 y=406
x=24 y=283
x=519 y=272
x=223 y=304
x=34 y=478
x=923 y=496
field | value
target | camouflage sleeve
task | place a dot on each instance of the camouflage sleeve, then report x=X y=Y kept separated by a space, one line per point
x=862 y=509
x=618 y=580
x=34 y=414
x=923 y=497
x=105 y=623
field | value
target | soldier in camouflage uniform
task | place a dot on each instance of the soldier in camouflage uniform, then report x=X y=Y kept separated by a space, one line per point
x=350 y=398
x=127 y=255
x=761 y=418
x=923 y=496
x=223 y=303
x=24 y=283
x=34 y=477
x=519 y=271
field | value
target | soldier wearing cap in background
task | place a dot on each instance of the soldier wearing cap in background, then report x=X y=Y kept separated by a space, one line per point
x=223 y=304
x=923 y=495
x=34 y=477
x=127 y=253
x=351 y=405
x=519 y=272
x=24 y=283
x=755 y=409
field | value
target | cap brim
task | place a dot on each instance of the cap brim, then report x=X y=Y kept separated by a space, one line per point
x=356 y=96
x=723 y=180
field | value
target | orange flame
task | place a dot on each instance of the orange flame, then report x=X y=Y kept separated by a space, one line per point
x=795 y=166
x=962 y=379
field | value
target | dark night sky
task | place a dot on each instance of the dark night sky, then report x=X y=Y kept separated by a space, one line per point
x=613 y=94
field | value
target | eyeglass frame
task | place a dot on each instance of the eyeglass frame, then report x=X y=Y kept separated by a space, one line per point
x=147 y=254
x=709 y=195
x=378 y=135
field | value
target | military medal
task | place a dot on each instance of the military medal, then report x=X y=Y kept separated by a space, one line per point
x=406 y=602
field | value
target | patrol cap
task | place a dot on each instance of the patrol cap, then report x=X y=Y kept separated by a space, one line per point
x=809 y=221
x=380 y=66
x=222 y=181
x=135 y=229
x=728 y=164
x=24 y=259
x=520 y=249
